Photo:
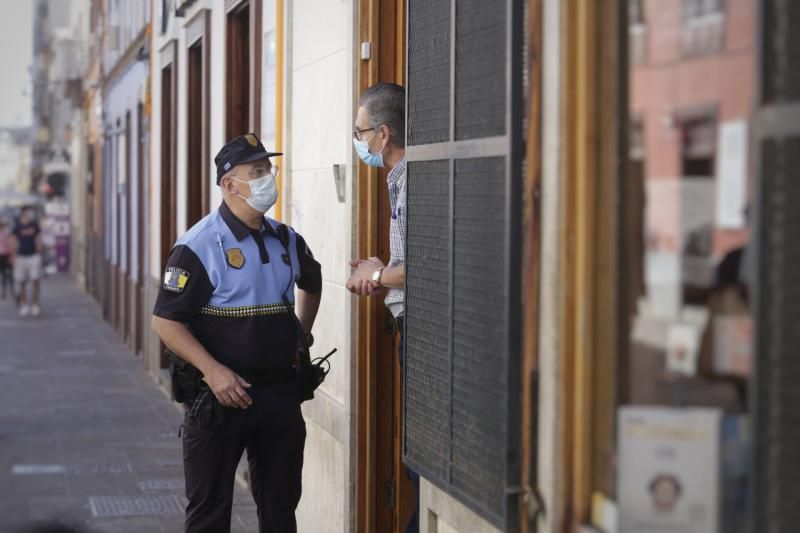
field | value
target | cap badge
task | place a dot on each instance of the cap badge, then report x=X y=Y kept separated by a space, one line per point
x=235 y=257
x=251 y=139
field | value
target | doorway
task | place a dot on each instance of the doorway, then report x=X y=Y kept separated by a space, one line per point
x=141 y=216
x=198 y=118
x=384 y=495
x=243 y=67
x=126 y=273
x=168 y=158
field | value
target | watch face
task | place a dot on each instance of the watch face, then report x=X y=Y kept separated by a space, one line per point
x=376 y=275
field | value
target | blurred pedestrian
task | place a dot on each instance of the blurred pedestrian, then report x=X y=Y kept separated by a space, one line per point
x=28 y=261
x=6 y=259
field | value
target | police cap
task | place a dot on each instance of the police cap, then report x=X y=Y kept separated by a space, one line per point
x=239 y=150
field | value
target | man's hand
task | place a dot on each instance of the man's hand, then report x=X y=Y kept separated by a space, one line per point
x=228 y=387
x=360 y=281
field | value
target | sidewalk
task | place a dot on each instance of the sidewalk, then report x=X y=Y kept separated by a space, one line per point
x=86 y=435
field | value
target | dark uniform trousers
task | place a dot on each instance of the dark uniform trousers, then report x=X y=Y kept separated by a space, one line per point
x=273 y=432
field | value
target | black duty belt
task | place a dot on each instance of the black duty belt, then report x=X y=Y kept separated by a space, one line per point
x=273 y=377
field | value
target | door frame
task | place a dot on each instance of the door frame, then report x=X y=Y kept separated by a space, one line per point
x=168 y=163
x=531 y=257
x=594 y=132
x=383 y=24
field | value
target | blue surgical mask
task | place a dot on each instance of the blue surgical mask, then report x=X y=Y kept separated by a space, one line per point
x=362 y=149
x=263 y=193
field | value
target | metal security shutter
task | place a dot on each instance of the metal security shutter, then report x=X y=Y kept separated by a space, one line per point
x=776 y=383
x=464 y=151
x=777 y=434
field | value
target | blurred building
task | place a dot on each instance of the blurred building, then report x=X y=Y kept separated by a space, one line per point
x=59 y=48
x=692 y=91
x=15 y=160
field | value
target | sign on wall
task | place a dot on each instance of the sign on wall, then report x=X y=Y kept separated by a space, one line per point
x=732 y=174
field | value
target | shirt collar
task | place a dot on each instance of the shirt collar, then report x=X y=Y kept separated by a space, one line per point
x=239 y=229
x=397 y=172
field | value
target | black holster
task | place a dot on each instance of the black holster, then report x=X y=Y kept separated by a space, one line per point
x=185 y=378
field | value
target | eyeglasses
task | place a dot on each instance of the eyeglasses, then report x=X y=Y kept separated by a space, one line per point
x=274 y=170
x=358 y=134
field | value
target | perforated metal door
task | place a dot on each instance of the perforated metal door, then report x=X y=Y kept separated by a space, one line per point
x=464 y=149
x=776 y=397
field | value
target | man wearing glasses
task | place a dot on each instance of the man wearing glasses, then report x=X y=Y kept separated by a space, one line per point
x=224 y=308
x=379 y=138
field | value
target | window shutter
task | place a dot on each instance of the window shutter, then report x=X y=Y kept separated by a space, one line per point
x=464 y=151
x=776 y=394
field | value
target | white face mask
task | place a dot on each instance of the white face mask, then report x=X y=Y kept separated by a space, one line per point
x=263 y=193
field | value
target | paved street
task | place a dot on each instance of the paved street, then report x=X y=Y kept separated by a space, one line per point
x=86 y=436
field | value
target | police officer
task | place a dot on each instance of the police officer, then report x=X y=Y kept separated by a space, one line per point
x=222 y=309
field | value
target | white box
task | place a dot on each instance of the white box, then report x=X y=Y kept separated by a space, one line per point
x=669 y=470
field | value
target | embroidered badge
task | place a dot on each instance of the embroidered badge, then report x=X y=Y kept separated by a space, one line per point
x=175 y=279
x=235 y=257
x=251 y=139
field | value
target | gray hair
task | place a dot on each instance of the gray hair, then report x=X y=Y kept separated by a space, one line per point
x=386 y=105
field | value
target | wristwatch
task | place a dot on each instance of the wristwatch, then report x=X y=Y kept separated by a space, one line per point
x=376 y=276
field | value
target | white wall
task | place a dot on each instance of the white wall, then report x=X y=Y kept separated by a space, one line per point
x=441 y=513
x=319 y=119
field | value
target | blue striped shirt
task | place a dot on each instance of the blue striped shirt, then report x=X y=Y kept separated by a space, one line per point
x=395 y=299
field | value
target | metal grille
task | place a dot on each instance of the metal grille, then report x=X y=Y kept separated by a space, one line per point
x=781 y=51
x=429 y=72
x=480 y=332
x=462 y=274
x=427 y=309
x=119 y=506
x=777 y=469
x=480 y=83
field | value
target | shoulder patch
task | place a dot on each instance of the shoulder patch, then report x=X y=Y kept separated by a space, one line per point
x=175 y=279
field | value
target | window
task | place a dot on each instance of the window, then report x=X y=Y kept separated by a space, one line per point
x=698 y=147
x=696 y=9
x=197 y=120
x=243 y=80
x=635 y=12
x=637 y=36
x=703 y=27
